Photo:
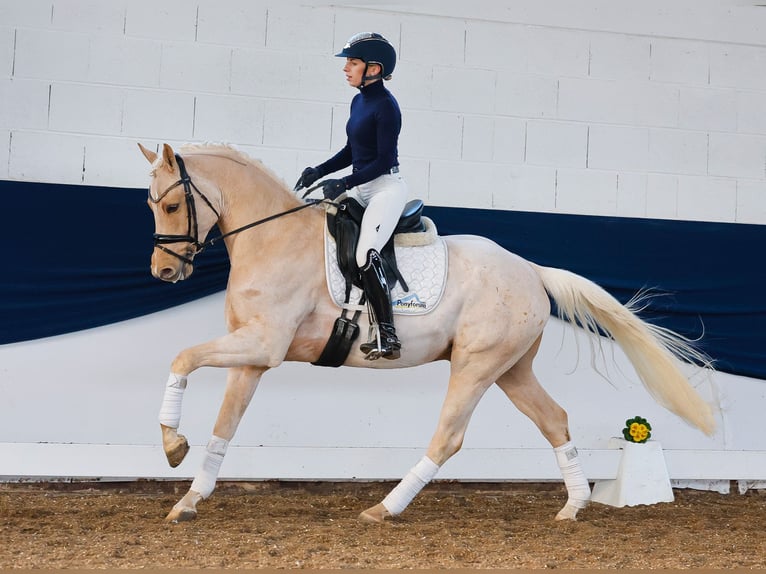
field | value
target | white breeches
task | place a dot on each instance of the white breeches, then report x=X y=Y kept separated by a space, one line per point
x=384 y=198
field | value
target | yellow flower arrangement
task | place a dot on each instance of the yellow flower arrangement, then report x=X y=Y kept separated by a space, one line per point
x=637 y=429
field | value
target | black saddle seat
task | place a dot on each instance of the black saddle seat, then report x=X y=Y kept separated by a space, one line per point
x=410 y=221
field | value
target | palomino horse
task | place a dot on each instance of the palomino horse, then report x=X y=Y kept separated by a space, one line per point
x=488 y=324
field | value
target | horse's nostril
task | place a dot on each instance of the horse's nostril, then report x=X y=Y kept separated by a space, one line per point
x=167 y=273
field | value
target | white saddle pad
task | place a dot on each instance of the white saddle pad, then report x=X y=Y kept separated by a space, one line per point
x=424 y=268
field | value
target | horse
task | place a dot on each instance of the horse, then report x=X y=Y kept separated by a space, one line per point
x=488 y=324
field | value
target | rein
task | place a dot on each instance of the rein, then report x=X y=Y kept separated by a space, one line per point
x=192 y=234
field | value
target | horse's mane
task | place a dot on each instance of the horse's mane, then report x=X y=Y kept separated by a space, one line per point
x=228 y=151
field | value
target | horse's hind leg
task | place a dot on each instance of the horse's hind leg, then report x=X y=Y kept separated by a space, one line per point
x=522 y=387
x=240 y=386
x=466 y=388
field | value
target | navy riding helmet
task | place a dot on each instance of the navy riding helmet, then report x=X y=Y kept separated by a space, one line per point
x=371 y=48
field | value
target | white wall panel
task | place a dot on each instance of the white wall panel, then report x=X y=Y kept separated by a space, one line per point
x=27 y=14
x=232 y=22
x=530 y=189
x=438 y=41
x=614 y=57
x=556 y=52
x=738 y=66
x=618 y=147
x=231 y=119
x=24 y=104
x=737 y=155
x=115 y=162
x=632 y=103
x=80 y=108
x=496 y=46
x=124 y=61
x=467 y=90
x=5 y=151
x=34 y=57
x=678 y=151
x=478 y=138
x=435 y=135
x=89 y=16
x=7 y=42
x=750 y=205
x=679 y=61
x=165 y=20
x=265 y=74
x=707 y=109
x=631 y=194
x=152 y=112
x=707 y=199
x=464 y=184
x=300 y=27
x=509 y=141
x=298 y=125
x=47 y=157
x=751 y=112
x=557 y=144
x=195 y=67
x=593 y=190
x=661 y=196
x=526 y=96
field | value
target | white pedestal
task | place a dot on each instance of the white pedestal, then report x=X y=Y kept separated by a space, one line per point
x=642 y=477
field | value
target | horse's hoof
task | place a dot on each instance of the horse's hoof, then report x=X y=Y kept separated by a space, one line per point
x=181 y=515
x=177 y=451
x=569 y=512
x=375 y=515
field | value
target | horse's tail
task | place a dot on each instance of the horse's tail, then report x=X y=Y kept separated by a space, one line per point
x=651 y=349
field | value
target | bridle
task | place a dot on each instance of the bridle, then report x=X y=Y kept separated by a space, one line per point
x=192 y=230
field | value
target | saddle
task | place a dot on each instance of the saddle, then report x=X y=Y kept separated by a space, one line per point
x=344 y=226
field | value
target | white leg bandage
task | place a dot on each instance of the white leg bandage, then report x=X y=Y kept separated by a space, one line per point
x=401 y=496
x=577 y=485
x=170 y=411
x=204 y=482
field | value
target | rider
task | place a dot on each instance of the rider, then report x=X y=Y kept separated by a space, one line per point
x=371 y=149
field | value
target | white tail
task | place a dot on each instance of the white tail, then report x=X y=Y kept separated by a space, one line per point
x=651 y=349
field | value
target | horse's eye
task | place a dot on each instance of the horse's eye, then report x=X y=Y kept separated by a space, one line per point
x=171 y=208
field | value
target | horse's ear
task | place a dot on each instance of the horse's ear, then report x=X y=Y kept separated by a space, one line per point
x=148 y=154
x=168 y=157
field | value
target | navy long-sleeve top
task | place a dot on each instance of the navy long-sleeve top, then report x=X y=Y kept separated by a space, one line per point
x=373 y=133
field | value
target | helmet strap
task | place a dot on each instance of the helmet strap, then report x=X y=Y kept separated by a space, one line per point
x=366 y=78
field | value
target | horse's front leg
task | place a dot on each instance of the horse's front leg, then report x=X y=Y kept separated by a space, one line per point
x=241 y=348
x=241 y=385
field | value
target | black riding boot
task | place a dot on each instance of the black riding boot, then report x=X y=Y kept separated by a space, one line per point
x=383 y=341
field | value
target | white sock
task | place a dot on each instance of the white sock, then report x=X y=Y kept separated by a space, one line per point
x=401 y=496
x=170 y=411
x=204 y=482
x=577 y=485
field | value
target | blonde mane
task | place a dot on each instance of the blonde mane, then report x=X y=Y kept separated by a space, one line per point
x=230 y=152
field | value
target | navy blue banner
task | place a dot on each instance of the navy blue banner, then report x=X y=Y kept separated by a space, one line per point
x=77 y=257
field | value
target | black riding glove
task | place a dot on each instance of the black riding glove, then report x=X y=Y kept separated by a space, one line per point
x=308 y=177
x=332 y=188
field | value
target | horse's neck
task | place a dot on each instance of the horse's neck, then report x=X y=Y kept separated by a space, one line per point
x=255 y=198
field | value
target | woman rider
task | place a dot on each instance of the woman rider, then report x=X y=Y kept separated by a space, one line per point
x=371 y=149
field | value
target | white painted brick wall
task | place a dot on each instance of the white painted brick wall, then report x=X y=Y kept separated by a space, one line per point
x=89 y=16
x=5 y=149
x=24 y=104
x=232 y=23
x=584 y=111
x=7 y=41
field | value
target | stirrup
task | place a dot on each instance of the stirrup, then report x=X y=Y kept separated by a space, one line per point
x=374 y=349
